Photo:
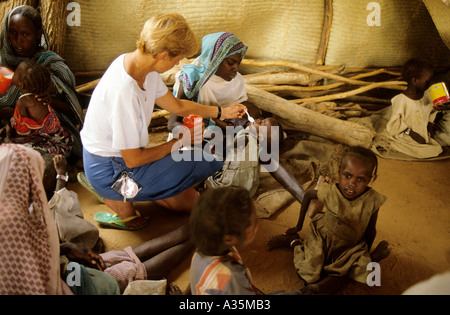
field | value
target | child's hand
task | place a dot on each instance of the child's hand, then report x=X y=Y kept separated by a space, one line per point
x=85 y=257
x=442 y=107
x=60 y=164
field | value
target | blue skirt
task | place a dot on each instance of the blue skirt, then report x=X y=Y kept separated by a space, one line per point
x=161 y=179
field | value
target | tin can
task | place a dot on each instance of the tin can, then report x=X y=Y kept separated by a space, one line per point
x=439 y=94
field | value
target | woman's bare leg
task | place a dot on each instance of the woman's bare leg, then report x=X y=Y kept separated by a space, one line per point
x=125 y=210
x=184 y=201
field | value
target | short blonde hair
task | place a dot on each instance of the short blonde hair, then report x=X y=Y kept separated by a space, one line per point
x=167 y=32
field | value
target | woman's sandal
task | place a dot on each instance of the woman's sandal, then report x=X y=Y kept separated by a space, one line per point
x=81 y=177
x=106 y=219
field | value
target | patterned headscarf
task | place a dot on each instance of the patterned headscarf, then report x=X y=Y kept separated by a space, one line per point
x=61 y=76
x=29 y=245
x=215 y=48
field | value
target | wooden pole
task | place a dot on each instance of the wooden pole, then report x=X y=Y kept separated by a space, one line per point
x=326 y=29
x=309 y=121
x=300 y=67
x=349 y=93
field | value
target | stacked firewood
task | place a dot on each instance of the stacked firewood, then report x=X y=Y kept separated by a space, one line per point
x=317 y=100
x=336 y=91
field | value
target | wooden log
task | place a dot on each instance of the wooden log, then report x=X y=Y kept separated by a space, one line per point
x=303 y=119
x=350 y=93
x=87 y=86
x=326 y=30
x=160 y=113
x=334 y=85
x=300 y=67
x=285 y=77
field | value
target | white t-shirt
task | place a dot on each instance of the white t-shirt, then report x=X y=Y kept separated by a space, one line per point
x=219 y=92
x=120 y=112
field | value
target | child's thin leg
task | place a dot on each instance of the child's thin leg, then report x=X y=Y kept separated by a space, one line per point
x=327 y=285
x=380 y=252
x=160 y=265
x=163 y=242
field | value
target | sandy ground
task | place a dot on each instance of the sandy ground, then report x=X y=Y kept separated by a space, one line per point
x=415 y=220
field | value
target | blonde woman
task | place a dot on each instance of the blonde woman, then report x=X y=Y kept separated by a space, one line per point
x=115 y=132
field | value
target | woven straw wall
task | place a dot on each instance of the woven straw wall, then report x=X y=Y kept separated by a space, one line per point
x=290 y=30
x=440 y=13
x=272 y=29
x=406 y=31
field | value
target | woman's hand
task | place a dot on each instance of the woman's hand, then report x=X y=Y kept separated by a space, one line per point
x=44 y=98
x=190 y=136
x=233 y=111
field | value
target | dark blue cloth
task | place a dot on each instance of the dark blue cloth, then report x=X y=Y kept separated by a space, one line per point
x=161 y=179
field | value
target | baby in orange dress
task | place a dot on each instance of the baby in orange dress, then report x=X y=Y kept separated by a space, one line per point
x=30 y=115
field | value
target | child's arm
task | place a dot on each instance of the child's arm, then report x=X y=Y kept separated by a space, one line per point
x=371 y=231
x=60 y=164
x=415 y=136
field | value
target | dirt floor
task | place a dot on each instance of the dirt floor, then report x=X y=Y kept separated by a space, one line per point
x=415 y=221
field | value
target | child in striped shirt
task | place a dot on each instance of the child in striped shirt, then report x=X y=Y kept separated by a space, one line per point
x=222 y=219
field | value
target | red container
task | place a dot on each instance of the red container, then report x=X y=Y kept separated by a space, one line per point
x=5 y=79
x=192 y=120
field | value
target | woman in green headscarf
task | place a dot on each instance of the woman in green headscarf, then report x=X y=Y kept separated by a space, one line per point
x=23 y=38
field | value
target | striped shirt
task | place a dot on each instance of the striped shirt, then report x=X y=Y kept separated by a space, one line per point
x=220 y=275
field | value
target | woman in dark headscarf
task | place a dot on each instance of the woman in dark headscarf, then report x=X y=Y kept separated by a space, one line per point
x=23 y=38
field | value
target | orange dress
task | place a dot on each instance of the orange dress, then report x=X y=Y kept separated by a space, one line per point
x=25 y=126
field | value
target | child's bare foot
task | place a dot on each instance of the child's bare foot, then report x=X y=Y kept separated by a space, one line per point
x=310 y=289
x=380 y=252
x=282 y=240
x=173 y=289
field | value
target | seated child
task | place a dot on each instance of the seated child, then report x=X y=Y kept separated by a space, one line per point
x=340 y=239
x=412 y=112
x=222 y=219
x=30 y=116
